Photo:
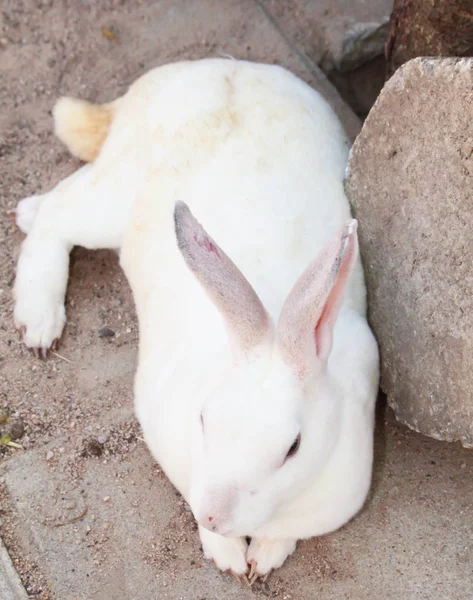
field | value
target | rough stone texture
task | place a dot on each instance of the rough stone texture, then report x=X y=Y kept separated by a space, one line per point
x=410 y=180
x=429 y=28
x=10 y=583
x=337 y=34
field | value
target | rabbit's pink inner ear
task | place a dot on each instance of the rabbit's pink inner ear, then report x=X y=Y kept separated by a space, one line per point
x=244 y=315
x=308 y=317
x=326 y=323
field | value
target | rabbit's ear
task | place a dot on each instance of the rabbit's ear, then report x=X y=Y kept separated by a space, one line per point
x=305 y=327
x=245 y=316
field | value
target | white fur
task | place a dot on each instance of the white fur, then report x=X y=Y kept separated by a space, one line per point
x=259 y=157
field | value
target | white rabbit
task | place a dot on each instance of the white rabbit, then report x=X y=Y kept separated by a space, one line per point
x=258 y=372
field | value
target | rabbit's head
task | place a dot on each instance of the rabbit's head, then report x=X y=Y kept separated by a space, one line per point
x=269 y=423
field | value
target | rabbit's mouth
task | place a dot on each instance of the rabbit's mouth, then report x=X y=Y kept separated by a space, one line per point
x=222 y=530
x=235 y=533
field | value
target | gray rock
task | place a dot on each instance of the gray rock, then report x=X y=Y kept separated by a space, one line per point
x=410 y=180
x=336 y=34
x=355 y=43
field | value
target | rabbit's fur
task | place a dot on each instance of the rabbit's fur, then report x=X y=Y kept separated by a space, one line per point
x=245 y=344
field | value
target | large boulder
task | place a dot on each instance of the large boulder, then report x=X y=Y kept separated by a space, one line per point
x=335 y=34
x=410 y=181
x=429 y=28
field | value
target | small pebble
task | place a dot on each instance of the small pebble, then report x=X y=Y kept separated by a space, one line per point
x=102 y=438
x=3 y=416
x=106 y=499
x=49 y=455
x=106 y=332
x=463 y=466
x=17 y=429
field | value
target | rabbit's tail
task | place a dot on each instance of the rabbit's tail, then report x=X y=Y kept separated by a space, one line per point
x=83 y=127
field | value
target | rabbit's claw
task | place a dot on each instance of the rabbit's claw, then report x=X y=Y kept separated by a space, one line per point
x=266 y=555
x=242 y=579
x=253 y=575
x=228 y=554
x=39 y=334
x=12 y=214
x=38 y=351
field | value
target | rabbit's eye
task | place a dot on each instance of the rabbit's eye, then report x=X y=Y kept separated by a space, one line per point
x=295 y=447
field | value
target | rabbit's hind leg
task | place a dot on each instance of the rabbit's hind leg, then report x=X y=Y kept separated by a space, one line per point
x=78 y=211
x=25 y=212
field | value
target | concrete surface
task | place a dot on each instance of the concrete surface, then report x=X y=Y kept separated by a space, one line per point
x=336 y=34
x=84 y=511
x=410 y=182
x=137 y=540
x=10 y=583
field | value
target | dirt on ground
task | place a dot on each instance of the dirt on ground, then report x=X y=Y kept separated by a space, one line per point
x=84 y=510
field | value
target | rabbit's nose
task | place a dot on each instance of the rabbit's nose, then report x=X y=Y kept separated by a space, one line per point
x=209 y=525
x=214 y=508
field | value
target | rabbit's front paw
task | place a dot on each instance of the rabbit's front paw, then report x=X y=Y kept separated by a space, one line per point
x=40 y=288
x=228 y=554
x=265 y=555
x=40 y=323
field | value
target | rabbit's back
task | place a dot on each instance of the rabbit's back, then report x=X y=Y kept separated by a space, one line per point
x=259 y=157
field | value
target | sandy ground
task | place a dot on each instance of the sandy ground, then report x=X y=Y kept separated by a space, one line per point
x=84 y=510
